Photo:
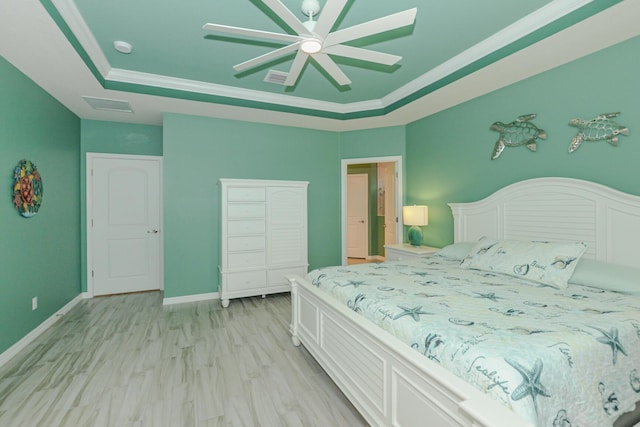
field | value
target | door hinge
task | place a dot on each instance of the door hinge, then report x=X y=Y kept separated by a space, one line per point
x=91 y=171
x=91 y=273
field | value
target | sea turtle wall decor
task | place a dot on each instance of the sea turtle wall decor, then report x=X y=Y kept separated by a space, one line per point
x=27 y=188
x=519 y=132
x=600 y=128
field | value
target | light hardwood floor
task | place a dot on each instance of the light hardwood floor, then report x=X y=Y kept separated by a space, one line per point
x=128 y=361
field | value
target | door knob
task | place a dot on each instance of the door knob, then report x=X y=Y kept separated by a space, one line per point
x=154 y=231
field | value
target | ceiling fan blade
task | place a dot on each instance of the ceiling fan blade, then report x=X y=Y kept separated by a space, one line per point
x=362 y=54
x=285 y=14
x=270 y=56
x=332 y=68
x=249 y=33
x=330 y=13
x=296 y=68
x=380 y=25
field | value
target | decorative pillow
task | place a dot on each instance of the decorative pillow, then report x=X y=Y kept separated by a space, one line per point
x=607 y=276
x=551 y=263
x=456 y=251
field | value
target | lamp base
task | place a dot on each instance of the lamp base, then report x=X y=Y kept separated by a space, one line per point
x=415 y=236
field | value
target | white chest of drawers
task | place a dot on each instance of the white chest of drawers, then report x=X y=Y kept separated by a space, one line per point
x=263 y=230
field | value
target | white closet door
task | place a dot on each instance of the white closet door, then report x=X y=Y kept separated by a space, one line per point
x=287 y=230
x=126 y=248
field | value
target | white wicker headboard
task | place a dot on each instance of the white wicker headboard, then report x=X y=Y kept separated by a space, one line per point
x=557 y=209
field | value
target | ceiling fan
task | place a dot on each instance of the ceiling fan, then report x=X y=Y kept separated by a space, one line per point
x=315 y=39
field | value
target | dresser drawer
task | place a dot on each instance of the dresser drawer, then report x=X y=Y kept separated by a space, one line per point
x=278 y=276
x=245 y=243
x=241 y=228
x=245 y=280
x=246 y=194
x=244 y=260
x=246 y=210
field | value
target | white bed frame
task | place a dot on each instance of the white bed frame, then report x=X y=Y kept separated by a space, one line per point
x=392 y=384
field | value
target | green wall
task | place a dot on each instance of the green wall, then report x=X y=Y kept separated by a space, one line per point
x=111 y=138
x=448 y=154
x=40 y=255
x=199 y=151
x=379 y=142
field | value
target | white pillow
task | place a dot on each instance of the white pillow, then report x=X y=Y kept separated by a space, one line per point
x=607 y=276
x=551 y=263
x=456 y=251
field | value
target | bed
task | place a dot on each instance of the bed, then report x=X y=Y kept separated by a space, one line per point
x=401 y=378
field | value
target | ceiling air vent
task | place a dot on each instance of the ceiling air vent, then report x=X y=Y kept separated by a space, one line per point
x=277 y=77
x=105 y=104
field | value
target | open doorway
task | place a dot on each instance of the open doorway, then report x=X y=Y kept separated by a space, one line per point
x=371 y=205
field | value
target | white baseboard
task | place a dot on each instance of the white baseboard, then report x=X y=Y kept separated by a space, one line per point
x=27 y=339
x=191 y=298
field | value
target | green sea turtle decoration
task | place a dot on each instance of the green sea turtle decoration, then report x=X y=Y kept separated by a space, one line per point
x=519 y=132
x=597 y=129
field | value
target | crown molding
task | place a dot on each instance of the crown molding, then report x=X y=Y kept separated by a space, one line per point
x=519 y=35
x=198 y=87
x=76 y=23
x=508 y=35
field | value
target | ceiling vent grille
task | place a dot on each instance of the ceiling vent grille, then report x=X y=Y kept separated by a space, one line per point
x=105 y=104
x=276 y=77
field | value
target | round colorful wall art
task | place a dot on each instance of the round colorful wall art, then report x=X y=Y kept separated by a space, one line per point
x=27 y=188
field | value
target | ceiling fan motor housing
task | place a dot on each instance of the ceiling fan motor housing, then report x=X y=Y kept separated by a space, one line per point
x=310 y=7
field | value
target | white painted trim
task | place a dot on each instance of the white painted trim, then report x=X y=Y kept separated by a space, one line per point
x=195 y=86
x=530 y=23
x=89 y=211
x=191 y=298
x=12 y=351
x=398 y=160
x=77 y=24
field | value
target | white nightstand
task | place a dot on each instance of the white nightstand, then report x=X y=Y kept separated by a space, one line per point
x=406 y=251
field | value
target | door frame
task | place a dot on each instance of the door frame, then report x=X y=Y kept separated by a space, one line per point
x=399 y=194
x=89 y=209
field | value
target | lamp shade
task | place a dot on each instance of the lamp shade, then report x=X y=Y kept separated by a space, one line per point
x=415 y=215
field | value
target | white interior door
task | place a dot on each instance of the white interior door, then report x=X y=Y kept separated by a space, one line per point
x=124 y=227
x=357 y=215
x=390 y=203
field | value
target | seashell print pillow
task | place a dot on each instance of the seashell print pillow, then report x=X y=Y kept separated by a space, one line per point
x=551 y=263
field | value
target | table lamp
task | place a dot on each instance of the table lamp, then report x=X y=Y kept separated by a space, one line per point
x=415 y=216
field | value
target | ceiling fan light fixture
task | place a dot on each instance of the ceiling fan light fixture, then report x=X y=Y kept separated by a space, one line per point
x=311 y=46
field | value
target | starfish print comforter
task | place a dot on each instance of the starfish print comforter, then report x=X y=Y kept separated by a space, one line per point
x=557 y=357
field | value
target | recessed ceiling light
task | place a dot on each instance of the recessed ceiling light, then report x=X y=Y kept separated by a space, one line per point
x=122 y=47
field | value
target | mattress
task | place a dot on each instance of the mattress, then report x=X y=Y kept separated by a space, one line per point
x=557 y=357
